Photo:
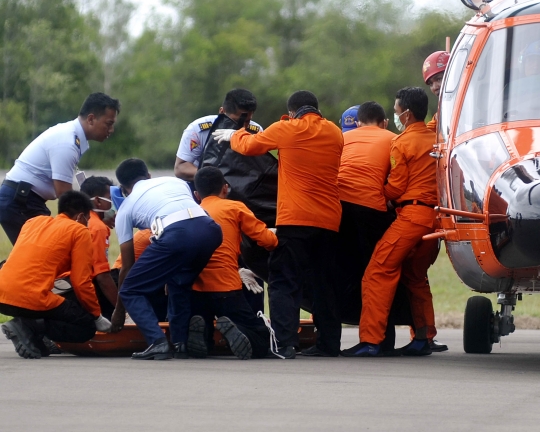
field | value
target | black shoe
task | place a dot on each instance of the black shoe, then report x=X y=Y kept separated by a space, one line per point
x=314 y=351
x=417 y=347
x=22 y=338
x=363 y=349
x=180 y=351
x=196 y=344
x=394 y=352
x=159 y=350
x=238 y=341
x=51 y=346
x=285 y=353
x=437 y=347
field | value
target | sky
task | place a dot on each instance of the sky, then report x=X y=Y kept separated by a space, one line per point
x=146 y=7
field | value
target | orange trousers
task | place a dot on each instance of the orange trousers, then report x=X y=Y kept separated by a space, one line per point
x=401 y=253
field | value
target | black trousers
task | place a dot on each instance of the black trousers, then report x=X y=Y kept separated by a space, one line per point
x=304 y=260
x=233 y=305
x=68 y=322
x=14 y=213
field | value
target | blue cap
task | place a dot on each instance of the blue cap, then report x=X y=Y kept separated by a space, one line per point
x=349 y=118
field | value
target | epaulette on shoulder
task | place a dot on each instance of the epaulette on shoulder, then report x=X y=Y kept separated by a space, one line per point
x=253 y=128
x=205 y=126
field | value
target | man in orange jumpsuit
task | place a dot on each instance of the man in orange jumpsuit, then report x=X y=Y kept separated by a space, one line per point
x=218 y=289
x=401 y=252
x=45 y=248
x=308 y=216
x=433 y=73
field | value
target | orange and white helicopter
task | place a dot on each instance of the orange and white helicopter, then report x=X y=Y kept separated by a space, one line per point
x=488 y=155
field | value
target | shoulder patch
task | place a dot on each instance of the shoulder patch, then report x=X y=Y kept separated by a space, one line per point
x=253 y=128
x=205 y=126
x=77 y=141
x=392 y=162
x=193 y=145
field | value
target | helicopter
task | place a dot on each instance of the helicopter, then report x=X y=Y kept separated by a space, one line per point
x=488 y=168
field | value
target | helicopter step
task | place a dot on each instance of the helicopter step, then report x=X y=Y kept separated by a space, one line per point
x=482 y=327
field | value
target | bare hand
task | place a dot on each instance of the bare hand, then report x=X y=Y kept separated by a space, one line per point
x=117 y=320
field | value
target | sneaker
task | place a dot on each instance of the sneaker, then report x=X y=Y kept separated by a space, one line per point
x=417 y=347
x=363 y=349
x=196 y=344
x=22 y=338
x=238 y=341
x=436 y=346
x=52 y=348
x=314 y=351
x=284 y=353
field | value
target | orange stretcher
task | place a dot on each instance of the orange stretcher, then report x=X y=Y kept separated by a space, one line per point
x=130 y=340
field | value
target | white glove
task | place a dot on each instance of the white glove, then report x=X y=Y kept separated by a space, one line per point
x=223 y=134
x=272 y=229
x=103 y=324
x=248 y=278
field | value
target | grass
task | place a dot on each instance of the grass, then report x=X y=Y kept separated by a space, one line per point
x=449 y=293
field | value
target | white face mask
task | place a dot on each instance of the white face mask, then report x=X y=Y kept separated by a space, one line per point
x=107 y=214
x=397 y=121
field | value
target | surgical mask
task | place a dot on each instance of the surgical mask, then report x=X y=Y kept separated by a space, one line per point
x=107 y=214
x=397 y=121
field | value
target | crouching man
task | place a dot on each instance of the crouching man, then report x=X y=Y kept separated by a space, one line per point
x=218 y=289
x=46 y=248
x=184 y=240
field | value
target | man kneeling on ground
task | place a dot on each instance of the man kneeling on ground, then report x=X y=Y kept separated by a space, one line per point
x=46 y=248
x=218 y=289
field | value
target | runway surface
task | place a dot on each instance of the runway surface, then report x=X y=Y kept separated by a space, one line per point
x=450 y=391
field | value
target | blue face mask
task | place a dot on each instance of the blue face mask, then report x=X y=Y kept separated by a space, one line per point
x=397 y=121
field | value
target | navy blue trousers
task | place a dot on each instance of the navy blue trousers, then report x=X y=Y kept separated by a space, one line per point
x=13 y=214
x=176 y=259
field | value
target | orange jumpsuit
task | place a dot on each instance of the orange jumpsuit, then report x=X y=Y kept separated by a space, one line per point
x=47 y=247
x=308 y=167
x=141 y=240
x=432 y=124
x=401 y=252
x=234 y=218
x=365 y=166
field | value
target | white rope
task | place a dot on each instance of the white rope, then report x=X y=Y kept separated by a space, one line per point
x=273 y=340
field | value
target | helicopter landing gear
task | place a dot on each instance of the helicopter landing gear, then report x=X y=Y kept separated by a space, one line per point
x=482 y=328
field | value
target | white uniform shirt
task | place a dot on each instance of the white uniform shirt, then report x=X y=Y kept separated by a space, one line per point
x=194 y=138
x=159 y=196
x=53 y=155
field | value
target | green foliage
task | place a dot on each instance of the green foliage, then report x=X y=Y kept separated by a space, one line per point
x=53 y=54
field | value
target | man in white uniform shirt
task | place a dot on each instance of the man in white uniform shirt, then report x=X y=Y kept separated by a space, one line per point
x=185 y=238
x=193 y=141
x=45 y=169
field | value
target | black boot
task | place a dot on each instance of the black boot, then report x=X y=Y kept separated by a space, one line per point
x=180 y=351
x=23 y=337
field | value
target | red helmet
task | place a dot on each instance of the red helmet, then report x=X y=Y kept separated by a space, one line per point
x=434 y=64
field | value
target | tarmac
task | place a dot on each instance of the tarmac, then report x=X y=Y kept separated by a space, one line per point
x=450 y=391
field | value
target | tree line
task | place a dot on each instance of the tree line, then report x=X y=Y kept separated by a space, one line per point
x=54 y=53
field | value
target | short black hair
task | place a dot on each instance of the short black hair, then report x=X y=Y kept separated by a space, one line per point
x=96 y=186
x=239 y=100
x=209 y=181
x=371 y=112
x=130 y=170
x=415 y=100
x=74 y=202
x=302 y=98
x=97 y=104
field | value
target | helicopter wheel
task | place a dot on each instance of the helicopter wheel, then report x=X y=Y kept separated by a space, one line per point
x=478 y=326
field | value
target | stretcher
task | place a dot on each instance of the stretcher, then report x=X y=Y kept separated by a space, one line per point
x=130 y=340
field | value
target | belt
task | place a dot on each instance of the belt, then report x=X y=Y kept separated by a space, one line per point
x=10 y=184
x=190 y=213
x=414 y=202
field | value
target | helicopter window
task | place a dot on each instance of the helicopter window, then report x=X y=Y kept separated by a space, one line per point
x=455 y=71
x=505 y=85
x=471 y=166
